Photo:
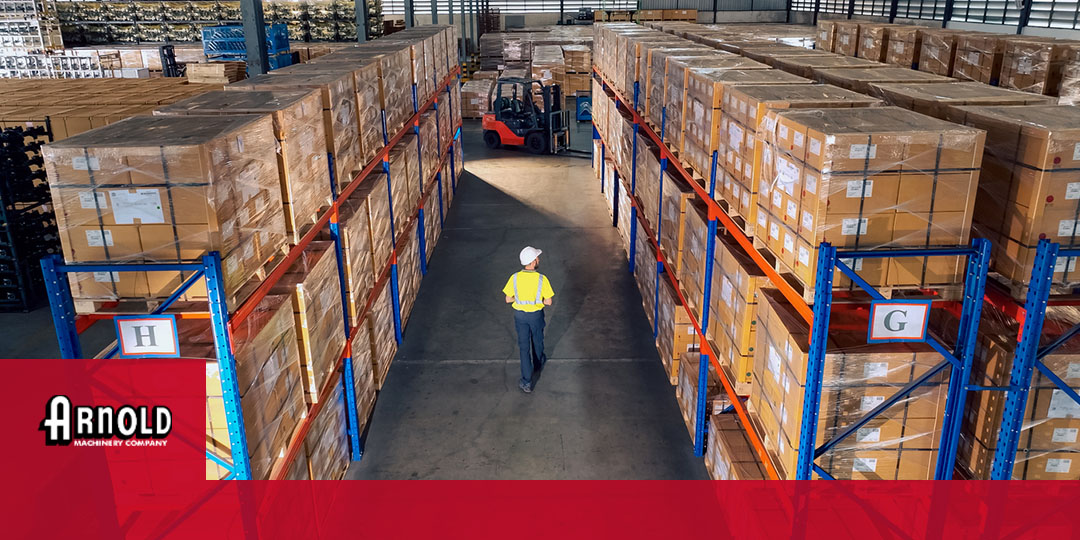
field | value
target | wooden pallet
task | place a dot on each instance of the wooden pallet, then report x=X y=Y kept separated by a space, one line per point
x=742 y=389
x=1019 y=291
x=216 y=72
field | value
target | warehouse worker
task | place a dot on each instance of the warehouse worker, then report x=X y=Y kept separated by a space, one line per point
x=529 y=291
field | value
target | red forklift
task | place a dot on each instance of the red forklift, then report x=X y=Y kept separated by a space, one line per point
x=518 y=119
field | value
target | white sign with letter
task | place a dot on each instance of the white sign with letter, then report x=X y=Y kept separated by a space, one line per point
x=898 y=320
x=147 y=336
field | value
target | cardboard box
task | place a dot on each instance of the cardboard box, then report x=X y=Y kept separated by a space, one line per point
x=905 y=42
x=825 y=39
x=847 y=38
x=979 y=57
x=807 y=66
x=861 y=79
x=940 y=100
x=874 y=41
x=1036 y=65
x=729 y=455
x=937 y=54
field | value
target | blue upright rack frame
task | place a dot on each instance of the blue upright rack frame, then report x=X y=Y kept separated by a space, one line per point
x=1029 y=356
x=208 y=268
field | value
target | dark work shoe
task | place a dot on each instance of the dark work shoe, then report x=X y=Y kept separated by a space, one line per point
x=525 y=387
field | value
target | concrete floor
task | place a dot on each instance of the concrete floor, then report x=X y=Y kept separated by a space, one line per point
x=451 y=408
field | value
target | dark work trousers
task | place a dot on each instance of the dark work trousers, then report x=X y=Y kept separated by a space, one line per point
x=530 y=331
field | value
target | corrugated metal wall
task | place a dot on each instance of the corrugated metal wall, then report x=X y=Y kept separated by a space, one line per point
x=721 y=5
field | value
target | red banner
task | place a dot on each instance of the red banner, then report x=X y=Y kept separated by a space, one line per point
x=136 y=484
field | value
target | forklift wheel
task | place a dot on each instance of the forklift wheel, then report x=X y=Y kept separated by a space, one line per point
x=491 y=139
x=535 y=142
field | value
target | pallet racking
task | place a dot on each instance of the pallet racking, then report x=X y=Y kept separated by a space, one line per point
x=208 y=268
x=958 y=359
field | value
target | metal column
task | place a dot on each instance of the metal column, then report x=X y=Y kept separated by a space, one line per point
x=361 y=9
x=251 y=13
x=434 y=12
x=410 y=14
x=462 y=36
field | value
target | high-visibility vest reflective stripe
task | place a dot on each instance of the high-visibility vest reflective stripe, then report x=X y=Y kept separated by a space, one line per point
x=539 y=291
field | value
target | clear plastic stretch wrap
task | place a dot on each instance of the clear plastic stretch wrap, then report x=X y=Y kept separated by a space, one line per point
x=937 y=54
x=476 y=97
x=404 y=181
x=874 y=41
x=380 y=322
x=648 y=178
x=645 y=85
x=941 y=100
x=847 y=38
x=447 y=190
x=904 y=45
x=807 y=66
x=355 y=228
x=657 y=61
x=395 y=84
x=1029 y=187
x=268 y=376
x=704 y=99
x=299 y=469
x=634 y=59
x=686 y=390
x=446 y=122
x=692 y=267
x=728 y=454
x=676 y=196
x=898 y=444
x=578 y=58
x=303 y=170
x=826 y=35
x=675 y=331
x=327 y=444
x=770 y=54
x=866 y=178
x=312 y=282
x=1047 y=447
x=408 y=273
x=645 y=272
x=736 y=280
x=417 y=72
x=429 y=148
x=1035 y=65
x=739 y=159
x=363 y=378
x=167 y=189
x=860 y=79
x=432 y=228
x=339 y=112
x=1068 y=89
x=609 y=186
x=675 y=83
x=548 y=67
x=978 y=57
x=624 y=63
x=625 y=210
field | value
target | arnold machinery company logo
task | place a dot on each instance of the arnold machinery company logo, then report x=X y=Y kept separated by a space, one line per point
x=65 y=425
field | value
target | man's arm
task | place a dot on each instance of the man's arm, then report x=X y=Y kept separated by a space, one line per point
x=547 y=301
x=510 y=299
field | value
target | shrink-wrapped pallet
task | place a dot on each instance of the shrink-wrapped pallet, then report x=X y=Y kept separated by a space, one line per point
x=729 y=455
x=937 y=53
x=675 y=334
x=1036 y=65
x=941 y=100
x=404 y=182
x=303 y=171
x=978 y=57
x=327 y=444
x=167 y=189
x=686 y=391
x=380 y=321
x=861 y=79
x=807 y=66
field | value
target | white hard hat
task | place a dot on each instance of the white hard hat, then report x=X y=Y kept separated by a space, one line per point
x=528 y=255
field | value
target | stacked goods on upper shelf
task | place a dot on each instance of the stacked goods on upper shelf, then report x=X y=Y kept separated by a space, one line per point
x=686 y=391
x=703 y=101
x=898 y=444
x=847 y=38
x=732 y=327
x=937 y=53
x=650 y=93
x=1036 y=65
x=903 y=47
x=1047 y=446
x=807 y=66
x=326 y=445
x=866 y=178
x=268 y=377
x=365 y=235
x=660 y=60
x=299 y=132
x=941 y=100
x=316 y=300
x=167 y=189
x=675 y=330
x=728 y=455
x=860 y=79
x=393 y=85
x=1028 y=190
x=548 y=67
x=405 y=175
x=741 y=175
x=380 y=324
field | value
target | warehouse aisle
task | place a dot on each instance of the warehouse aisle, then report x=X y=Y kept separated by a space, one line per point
x=451 y=408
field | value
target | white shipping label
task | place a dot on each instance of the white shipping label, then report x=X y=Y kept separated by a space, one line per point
x=1072 y=190
x=1076 y=152
x=868 y=435
x=82 y=163
x=862 y=151
x=810 y=184
x=815 y=147
x=875 y=370
x=762 y=220
x=807 y=221
x=1024 y=66
x=748 y=170
x=783 y=131
x=1065 y=264
x=798 y=139
x=735 y=189
x=854 y=264
x=864 y=464
x=735 y=136
x=853 y=226
x=143 y=205
x=87 y=198
x=868 y=43
x=898 y=47
x=778 y=199
x=738 y=163
x=857 y=189
x=786 y=383
x=94 y=238
x=746 y=199
x=869 y=402
x=725 y=290
x=787 y=173
x=113 y=277
x=789 y=242
x=1068 y=227
x=973 y=57
x=845 y=40
x=1073 y=371
x=774 y=231
x=1057 y=465
x=1062 y=406
x=1064 y=435
x=774 y=363
x=804 y=256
